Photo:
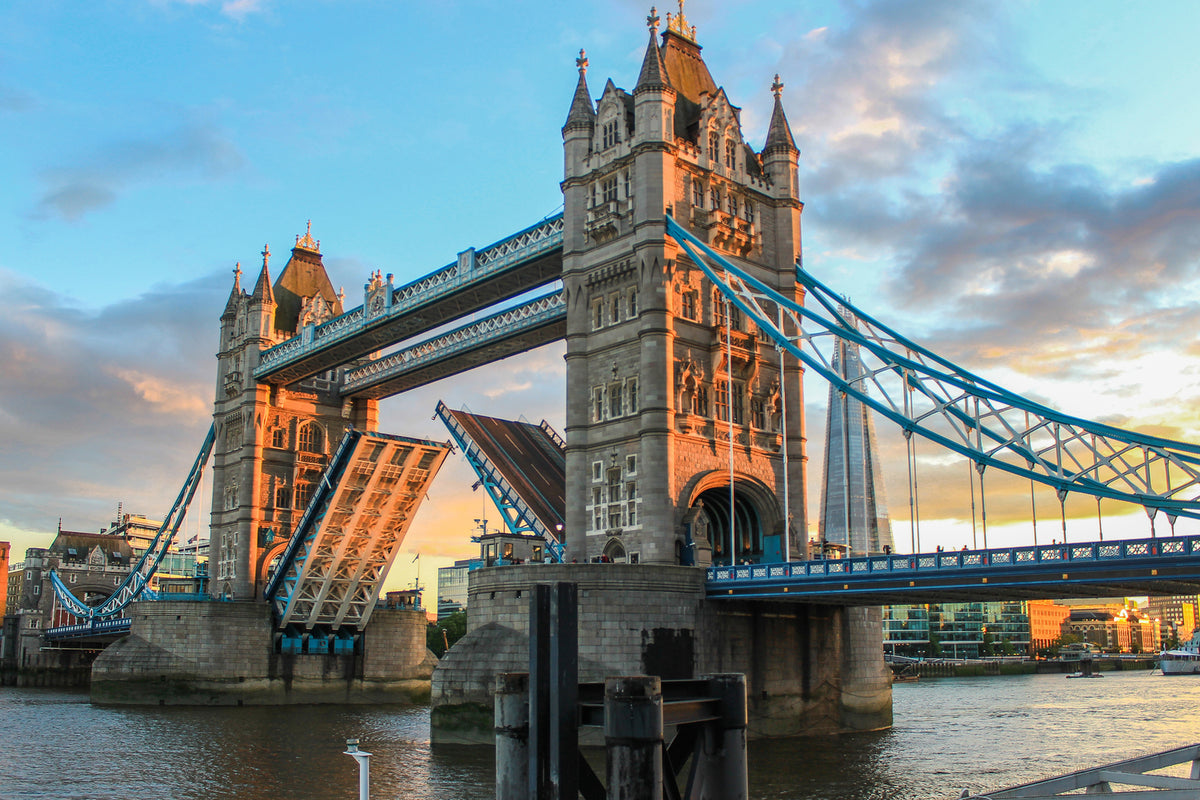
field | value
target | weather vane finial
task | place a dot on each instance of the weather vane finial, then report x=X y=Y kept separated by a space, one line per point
x=777 y=86
x=652 y=20
x=266 y=254
x=582 y=61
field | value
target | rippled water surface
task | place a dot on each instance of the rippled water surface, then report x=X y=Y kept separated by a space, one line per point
x=950 y=734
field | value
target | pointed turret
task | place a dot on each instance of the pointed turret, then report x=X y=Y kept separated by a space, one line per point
x=654 y=71
x=302 y=280
x=582 y=114
x=262 y=287
x=779 y=133
x=234 y=294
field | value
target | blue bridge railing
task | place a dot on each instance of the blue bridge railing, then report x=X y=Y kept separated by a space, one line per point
x=996 y=559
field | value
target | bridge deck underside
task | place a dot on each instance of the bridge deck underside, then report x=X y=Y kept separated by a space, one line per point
x=433 y=309
x=447 y=362
x=529 y=460
x=1099 y=569
x=336 y=577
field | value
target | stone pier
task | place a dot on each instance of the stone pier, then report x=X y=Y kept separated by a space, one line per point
x=809 y=669
x=223 y=653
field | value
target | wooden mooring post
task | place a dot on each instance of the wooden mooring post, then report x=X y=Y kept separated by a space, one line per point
x=538 y=716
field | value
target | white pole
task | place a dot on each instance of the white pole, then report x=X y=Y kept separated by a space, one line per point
x=364 y=768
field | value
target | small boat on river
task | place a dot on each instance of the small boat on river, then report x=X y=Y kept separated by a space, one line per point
x=1182 y=661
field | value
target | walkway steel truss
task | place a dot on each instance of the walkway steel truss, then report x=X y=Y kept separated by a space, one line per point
x=928 y=395
x=137 y=582
x=349 y=535
x=514 y=330
x=478 y=279
x=1086 y=569
x=516 y=512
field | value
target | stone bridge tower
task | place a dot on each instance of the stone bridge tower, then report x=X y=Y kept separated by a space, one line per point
x=272 y=442
x=661 y=375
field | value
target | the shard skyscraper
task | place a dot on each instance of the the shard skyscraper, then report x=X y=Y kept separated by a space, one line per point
x=853 y=501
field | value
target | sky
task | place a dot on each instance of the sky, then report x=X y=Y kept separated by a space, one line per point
x=1014 y=185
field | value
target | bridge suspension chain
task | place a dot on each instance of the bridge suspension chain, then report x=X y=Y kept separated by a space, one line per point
x=926 y=394
x=137 y=582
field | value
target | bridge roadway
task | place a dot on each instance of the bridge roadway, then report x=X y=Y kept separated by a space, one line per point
x=1168 y=566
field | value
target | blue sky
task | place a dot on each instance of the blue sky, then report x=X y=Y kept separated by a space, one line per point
x=1016 y=185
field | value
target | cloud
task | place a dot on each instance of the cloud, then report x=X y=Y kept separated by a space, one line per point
x=189 y=152
x=105 y=406
x=234 y=9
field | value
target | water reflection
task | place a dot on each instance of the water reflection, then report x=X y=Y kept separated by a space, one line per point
x=950 y=734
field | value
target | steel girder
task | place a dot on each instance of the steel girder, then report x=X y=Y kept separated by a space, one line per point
x=501 y=271
x=925 y=394
x=136 y=582
x=517 y=514
x=348 y=537
x=514 y=330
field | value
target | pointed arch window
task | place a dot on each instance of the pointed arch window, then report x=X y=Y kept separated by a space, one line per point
x=311 y=438
x=730 y=153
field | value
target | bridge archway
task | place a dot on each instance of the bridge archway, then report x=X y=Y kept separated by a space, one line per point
x=755 y=517
x=614 y=551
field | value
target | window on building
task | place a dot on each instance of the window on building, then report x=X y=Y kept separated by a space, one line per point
x=631 y=390
x=758 y=415
x=735 y=317
x=598 y=518
x=311 y=438
x=697 y=193
x=726 y=404
x=687 y=306
x=303 y=494
x=631 y=511
x=748 y=211
x=283 y=497
x=598 y=316
x=614 y=485
x=633 y=303
x=700 y=401
x=714 y=198
x=732 y=204
x=718 y=304
x=614 y=308
x=713 y=141
x=614 y=401
x=597 y=467
x=597 y=496
x=279 y=438
x=730 y=153
x=598 y=407
x=608 y=189
x=611 y=133
x=627 y=184
x=631 y=465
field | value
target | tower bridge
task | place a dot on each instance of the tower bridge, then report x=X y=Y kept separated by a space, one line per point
x=672 y=276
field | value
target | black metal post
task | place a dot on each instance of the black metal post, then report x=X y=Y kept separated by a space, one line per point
x=539 y=693
x=564 y=711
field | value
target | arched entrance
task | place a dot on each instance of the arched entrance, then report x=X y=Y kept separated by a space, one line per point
x=747 y=538
x=614 y=551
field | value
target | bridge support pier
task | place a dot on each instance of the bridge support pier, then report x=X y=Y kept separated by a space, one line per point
x=809 y=668
x=223 y=653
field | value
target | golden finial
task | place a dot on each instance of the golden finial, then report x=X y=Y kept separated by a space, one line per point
x=306 y=241
x=582 y=61
x=678 y=23
x=266 y=254
x=777 y=86
x=652 y=20
x=237 y=271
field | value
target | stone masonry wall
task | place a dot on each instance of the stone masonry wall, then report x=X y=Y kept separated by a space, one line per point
x=189 y=653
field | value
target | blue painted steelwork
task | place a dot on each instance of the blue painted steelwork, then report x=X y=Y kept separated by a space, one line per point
x=1047 y=571
x=546 y=310
x=473 y=266
x=287 y=574
x=517 y=514
x=136 y=583
x=928 y=395
x=94 y=627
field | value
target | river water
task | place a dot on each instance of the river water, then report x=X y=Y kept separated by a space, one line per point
x=949 y=734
